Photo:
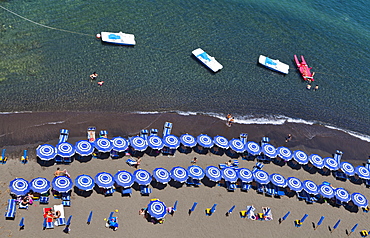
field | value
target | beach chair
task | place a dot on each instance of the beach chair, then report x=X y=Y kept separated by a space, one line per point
x=109 y=192
x=270 y=190
x=3 y=158
x=279 y=191
x=63 y=136
x=246 y=186
x=260 y=188
x=364 y=233
x=91 y=134
x=58 y=159
x=167 y=128
x=61 y=221
x=153 y=132
x=144 y=134
x=24 y=158
x=67 y=160
x=103 y=134
x=10 y=209
x=243 y=214
x=131 y=162
x=126 y=192
x=48 y=221
x=145 y=191
x=230 y=186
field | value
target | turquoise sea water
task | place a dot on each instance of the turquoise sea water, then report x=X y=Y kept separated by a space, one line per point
x=47 y=70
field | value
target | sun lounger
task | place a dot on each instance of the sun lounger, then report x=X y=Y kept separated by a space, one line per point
x=167 y=128
x=153 y=132
x=144 y=134
x=91 y=134
x=260 y=188
x=126 y=192
x=66 y=199
x=131 y=162
x=63 y=137
x=145 y=191
x=235 y=163
x=48 y=221
x=3 y=158
x=270 y=190
x=61 y=221
x=10 y=209
x=222 y=166
x=24 y=158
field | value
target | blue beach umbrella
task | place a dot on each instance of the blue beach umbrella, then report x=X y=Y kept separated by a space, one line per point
x=104 y=180
x=213 y=173
x=179 y=174
x=205 y=141
x=269 y=150
x=39 y=185
x=221 y=142
x=171 y=141
x=19 y=186
x=300 y=156
x=362 y=172
x=119 y=144
x=155 y=142
x=142 y=177
x=347 y=168
x=230 y=175
x=188 y=140
x=84 y=182
x=310 y=187
x=359 y=199
x=331 y=163
x=103 y=145
x=245 y=175
x=196 y=172
x=157 y=209
x=316 y=161
x=294 y=184
x=138 y=143
x=46 y=152
x=278 y=180
x=284 y=153
x=326 y=191
x=65 y=149
x=62 y=184
x=161 y=175
x=253 y=148
x=124 y=179
x=84 y=148
x=261 y=176
x=237 y=145
x=342 y=195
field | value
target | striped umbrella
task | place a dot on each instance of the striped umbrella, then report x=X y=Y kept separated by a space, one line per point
x=65 y=149
x=84 y=148
x=179 y=174
x=138 y=143
x=171 y=141
x=196 y=172
x=300 y=156
x=155 y=142
x=46 y=152
x=188 y=140
x=142 y=177
x=124 y=179
x=316 y=161
x=62 y=184
x=362 y=172
x=221 y=142
x=19 y=186
x=229 y=174
x=39 y=185
x=119 y=144
x=359 y=200
x=84 y=182
x=310 y=187
x=104 y=180
x=205 y=141
x=269 y=150
x=261 y=176
x=331 y=163
x=294 y=184
x=103 y=145
x=213 y=173
x=347 y=168
x=253 y=148
x=157 y=209
x=342 y=195
x=326 y=191
x=237 y=145
x=161 y=175
x=284 y=153
x=278 y=180
x=245 y=175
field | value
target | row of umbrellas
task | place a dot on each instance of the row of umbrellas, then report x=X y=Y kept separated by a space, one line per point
x=20 y=186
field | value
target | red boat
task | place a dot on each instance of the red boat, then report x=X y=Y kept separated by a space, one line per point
x=304 y=69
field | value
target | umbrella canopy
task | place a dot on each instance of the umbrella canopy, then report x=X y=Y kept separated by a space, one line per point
x=229 y=174
x=326 y=191
x=310 y=187
x=179 y=174
x=155 y=142
x=142 y=177
x=104 y=180
x=245 y=175
x=300 y=156
x=84 y=148
x=46 y=152
x=205 y=141
x=65 y=149
x=196 y=172
x=124 y=179
x=213 y=173
x=362 y=172
x=138 y=143
x=103 y=145
x=157 y=209
x=294 y=184
x=342 y=195
x=331 y=163
x=221 y=142
x=188 y=140
x=119 y=144
x=39 y=185
x=161 y=175
x=347 y=168
x=261 y=176
x=19 y=186
x=171 y=141
x=284 y=153
x=84 y=182
x=316 y=161
x=278 y=180
x=62 y=184
x=237 y=145
x=359 y=199
x=269 y=150
x=253 y=148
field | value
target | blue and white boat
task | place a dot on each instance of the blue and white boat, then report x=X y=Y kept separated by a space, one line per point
x=119 y=38
x=272 y=64
x=208 y=60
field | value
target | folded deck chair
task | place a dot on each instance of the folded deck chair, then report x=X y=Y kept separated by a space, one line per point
x=144 y=134
x=63 y=137
x=3 y=158
x=250 y=212
x=66 y=199
x=167 y=128
x=126 y=192
x=145 y=191
x=48 y=222
x=24 y=158
x=10 y=209
x=61 y=221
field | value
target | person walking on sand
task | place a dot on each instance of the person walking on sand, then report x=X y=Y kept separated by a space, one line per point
x=316 y=88
x=288 y=138
x=230 y=122
x=93 y=76
x=100 y=83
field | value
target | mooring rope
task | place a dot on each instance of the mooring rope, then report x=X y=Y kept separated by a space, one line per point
x=53 y=28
